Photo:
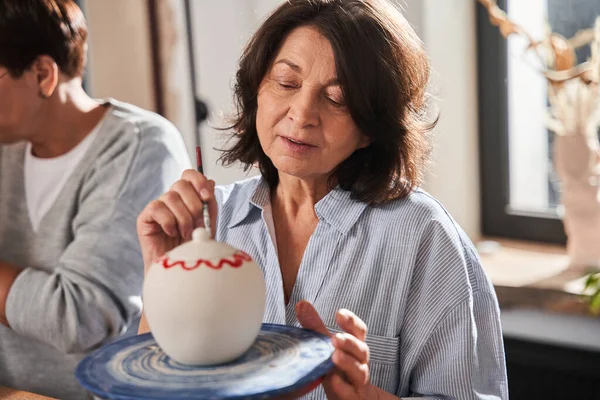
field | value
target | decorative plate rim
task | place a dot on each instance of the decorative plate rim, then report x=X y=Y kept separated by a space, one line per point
x=111 y=349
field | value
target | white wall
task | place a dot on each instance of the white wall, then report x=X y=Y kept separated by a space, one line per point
x=120 y=61
x=413 y=12
x=175 y=66
x=448 y=29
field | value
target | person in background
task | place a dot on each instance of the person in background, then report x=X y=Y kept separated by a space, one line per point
x=74 y=175
x=332 y=106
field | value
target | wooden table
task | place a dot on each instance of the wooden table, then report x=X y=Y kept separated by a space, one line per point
x=528 y=275
x=11 y=394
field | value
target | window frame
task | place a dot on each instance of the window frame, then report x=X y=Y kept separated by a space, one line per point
x=497 y=219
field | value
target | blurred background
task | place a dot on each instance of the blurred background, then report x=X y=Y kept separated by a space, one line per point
x=492 y=164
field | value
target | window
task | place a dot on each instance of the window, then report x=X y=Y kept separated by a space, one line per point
x=520 y=193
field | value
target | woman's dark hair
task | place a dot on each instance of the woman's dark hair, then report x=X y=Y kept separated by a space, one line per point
x=383 y=71
x=31 y=28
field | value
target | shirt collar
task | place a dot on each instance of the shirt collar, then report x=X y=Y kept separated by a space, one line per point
x=259 y=198
x=337 y=208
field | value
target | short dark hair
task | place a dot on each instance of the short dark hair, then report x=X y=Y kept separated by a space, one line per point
x=31 y=28
x=383 y=70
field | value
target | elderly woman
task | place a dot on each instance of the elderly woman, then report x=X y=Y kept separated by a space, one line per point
x=331 y=107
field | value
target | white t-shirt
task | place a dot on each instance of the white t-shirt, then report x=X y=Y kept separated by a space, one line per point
x=46 y=177
x=268 y=218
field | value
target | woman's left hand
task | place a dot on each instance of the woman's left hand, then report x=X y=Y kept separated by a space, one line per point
x=350 y=378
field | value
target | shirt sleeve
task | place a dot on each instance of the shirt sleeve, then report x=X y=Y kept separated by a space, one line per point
x=93 y=294
x=451 y=339
x=463 y=357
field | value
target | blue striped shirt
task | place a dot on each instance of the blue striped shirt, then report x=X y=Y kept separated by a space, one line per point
x=405 y=268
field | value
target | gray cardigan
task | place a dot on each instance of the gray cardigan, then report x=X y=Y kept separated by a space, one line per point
x=82 y=271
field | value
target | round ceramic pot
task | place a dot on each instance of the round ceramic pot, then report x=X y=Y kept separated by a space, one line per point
x=204 y=301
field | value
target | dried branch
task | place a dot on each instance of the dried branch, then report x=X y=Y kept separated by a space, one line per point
x=582 y=38
x=595 y=59
x=555 y=51
x=581 y=71
x=500 y=19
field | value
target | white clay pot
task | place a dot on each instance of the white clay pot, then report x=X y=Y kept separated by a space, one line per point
x=204 y=301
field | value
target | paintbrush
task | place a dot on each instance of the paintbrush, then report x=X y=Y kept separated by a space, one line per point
x=204 y=204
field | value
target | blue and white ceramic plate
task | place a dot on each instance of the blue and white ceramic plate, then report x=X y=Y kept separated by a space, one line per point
x=283 y=359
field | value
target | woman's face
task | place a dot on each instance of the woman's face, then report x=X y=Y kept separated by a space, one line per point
x=302 y=120
x=19 y=105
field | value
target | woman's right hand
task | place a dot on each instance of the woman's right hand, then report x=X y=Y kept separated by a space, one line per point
x=167 y=222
